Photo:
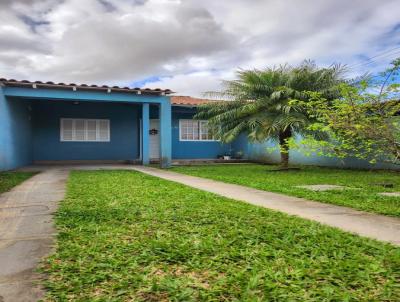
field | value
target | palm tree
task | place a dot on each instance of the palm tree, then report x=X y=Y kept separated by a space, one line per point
x=261 y=103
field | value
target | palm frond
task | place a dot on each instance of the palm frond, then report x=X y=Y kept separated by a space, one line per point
x=260 y=102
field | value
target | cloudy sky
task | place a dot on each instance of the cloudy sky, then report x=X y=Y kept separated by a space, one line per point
x=189 y=45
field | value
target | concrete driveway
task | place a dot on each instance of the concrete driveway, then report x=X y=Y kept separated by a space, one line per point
x=26 y=233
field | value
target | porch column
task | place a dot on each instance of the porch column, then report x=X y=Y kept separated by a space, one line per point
x=166 y=135
x=145 y=133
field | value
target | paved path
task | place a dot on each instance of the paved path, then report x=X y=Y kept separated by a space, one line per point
x=26 y=233
x=375 y=226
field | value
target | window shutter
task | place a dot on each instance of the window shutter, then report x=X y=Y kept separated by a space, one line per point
x=84 y=130
x=66 y=130
x=79 y=130
x=91 y=130
x=104 y=130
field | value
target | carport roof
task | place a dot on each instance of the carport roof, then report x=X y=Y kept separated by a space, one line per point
x=73 y=86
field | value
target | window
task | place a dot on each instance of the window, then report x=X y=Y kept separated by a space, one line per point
x=193 y=130
x=84 y=130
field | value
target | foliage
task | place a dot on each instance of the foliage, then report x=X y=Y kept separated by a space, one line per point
x=362 y=193
x=363 y=123
x=125 y=236
x=260 y=103
x=9 y=180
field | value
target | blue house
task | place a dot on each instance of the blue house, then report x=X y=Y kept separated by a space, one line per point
x=59 y=123
x=49 y=122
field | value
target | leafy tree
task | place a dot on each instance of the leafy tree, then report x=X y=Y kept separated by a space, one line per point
x=363 y=123
x=260 y=104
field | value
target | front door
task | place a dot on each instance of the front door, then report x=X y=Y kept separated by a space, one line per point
x=154 y=139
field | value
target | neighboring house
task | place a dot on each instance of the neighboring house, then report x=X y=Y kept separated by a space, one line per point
x=49 y=122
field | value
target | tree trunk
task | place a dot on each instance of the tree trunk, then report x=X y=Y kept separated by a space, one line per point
x=284 y=147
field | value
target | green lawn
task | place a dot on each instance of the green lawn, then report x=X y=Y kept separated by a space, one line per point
x=9 y=180
x=362 y=193
x=126 y=236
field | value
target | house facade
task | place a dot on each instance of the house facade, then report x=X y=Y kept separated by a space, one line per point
x=59 y=123
x=49 y=122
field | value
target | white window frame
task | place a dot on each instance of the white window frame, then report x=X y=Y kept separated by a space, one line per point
x=200 y=122
x=97 y=140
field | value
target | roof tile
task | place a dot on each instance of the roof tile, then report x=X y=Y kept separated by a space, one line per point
x=49 y=84
x=189 y=101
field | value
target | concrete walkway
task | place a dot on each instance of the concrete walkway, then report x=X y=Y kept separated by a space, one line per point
x=370 y=225
x=26 y=233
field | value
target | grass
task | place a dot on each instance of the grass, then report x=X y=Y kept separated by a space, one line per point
x=8 y=180
x=361 y=193
x=126 y=236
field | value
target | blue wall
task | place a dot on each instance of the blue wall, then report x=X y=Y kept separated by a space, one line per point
x=269 y=153
x=124 y=131
x=15 y=133
x=241 y=145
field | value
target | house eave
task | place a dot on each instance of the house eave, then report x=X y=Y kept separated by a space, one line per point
x=81 y=95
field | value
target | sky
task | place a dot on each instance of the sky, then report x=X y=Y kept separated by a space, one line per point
x=189 y=46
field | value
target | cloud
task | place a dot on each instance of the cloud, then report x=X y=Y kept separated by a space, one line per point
x=193 y=84
x=88 y=41
x=188 y=45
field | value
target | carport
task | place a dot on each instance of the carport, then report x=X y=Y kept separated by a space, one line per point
x=48 y=122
